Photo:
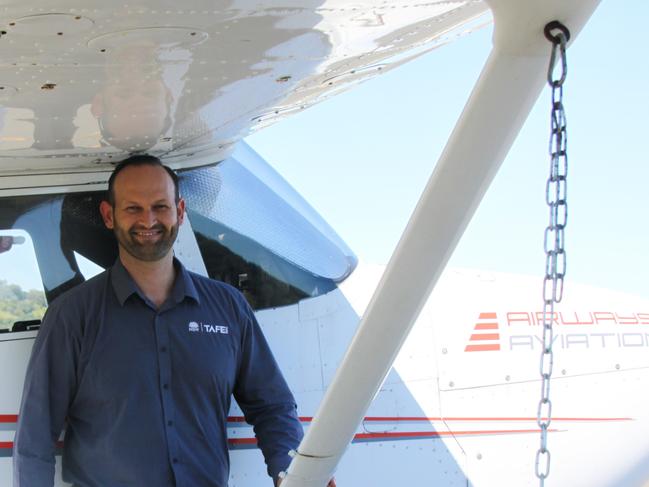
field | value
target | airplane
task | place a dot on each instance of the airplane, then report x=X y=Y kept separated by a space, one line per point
x=84 y=85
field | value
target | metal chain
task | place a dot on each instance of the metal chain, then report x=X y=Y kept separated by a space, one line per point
x=554 y=239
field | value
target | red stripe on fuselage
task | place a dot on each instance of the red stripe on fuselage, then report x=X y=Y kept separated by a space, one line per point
x=13 y=418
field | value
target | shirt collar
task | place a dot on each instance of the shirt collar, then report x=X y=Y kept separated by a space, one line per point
x=124 y=285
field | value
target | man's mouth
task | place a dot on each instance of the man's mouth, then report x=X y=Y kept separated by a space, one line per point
x=146 y=234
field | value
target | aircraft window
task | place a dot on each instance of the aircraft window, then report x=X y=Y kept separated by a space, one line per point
x=264 y=278
x=256 y=233
x=22 y=298
x=248 y=197
x=70 y=242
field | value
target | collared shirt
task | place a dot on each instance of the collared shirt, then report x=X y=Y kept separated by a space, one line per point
x=146 y=391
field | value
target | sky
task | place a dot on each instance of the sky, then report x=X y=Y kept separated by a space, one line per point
x=361 y=159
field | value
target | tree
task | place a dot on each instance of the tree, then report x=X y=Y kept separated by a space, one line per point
x=16 y=304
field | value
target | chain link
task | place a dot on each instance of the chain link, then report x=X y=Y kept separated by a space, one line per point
x=554 y=238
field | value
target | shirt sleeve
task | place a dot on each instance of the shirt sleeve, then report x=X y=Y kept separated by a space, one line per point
x=49 y=385
x=265 y=399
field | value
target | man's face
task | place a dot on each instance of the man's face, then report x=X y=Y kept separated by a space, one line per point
x=145 y=217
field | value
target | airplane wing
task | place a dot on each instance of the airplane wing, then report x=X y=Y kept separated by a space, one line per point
x=85 y=84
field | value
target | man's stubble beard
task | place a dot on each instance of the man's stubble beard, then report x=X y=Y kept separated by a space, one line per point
x=150 y=251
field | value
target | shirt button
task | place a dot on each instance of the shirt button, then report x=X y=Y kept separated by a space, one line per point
x=170 y=423
x=163 y=349
x=165 y=386
x=175 y=460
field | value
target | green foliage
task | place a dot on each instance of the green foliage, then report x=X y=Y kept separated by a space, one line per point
x=16 y=304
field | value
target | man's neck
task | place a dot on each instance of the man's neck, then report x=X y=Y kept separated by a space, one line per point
x=155 y=279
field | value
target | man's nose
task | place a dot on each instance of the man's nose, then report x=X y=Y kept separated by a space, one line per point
x=148 y=217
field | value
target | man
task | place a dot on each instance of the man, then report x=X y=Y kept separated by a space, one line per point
x=141 y=362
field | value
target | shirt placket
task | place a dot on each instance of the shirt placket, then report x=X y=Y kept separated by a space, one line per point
x=168 y=407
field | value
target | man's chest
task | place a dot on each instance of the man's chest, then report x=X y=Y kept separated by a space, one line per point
x=138 y=353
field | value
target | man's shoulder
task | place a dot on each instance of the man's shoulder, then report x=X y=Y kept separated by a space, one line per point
x=73 y=309
x=85 y=292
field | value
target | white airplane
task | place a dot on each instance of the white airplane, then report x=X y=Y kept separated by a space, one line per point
x=84 y=84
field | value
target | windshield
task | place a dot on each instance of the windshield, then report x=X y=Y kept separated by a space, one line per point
x=246 y=195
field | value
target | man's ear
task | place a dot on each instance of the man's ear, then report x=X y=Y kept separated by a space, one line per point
x=180 y=208
x=106 y=210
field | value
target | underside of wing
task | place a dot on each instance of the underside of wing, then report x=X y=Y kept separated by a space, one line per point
x=85 y=83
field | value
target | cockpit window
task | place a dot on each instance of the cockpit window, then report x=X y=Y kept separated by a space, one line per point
x=64 y=229
x=247 y=196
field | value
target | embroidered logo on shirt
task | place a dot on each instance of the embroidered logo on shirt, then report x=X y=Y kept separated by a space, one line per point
x=205 y=328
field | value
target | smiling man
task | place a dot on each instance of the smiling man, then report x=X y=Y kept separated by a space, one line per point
x=141 y=362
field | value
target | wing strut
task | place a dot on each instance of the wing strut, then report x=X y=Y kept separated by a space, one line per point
x=509 y=85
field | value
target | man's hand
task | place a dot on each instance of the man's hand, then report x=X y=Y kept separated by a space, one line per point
x=332 y=483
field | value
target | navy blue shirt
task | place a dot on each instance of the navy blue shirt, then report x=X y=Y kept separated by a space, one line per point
x=145 y=392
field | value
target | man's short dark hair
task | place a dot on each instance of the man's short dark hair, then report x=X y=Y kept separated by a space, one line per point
x=139 y=160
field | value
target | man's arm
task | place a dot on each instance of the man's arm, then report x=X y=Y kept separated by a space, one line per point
x=50 y=380
x=265 y=398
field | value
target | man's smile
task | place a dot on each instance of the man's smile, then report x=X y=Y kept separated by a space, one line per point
x=147 y=233
x=152 y=234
